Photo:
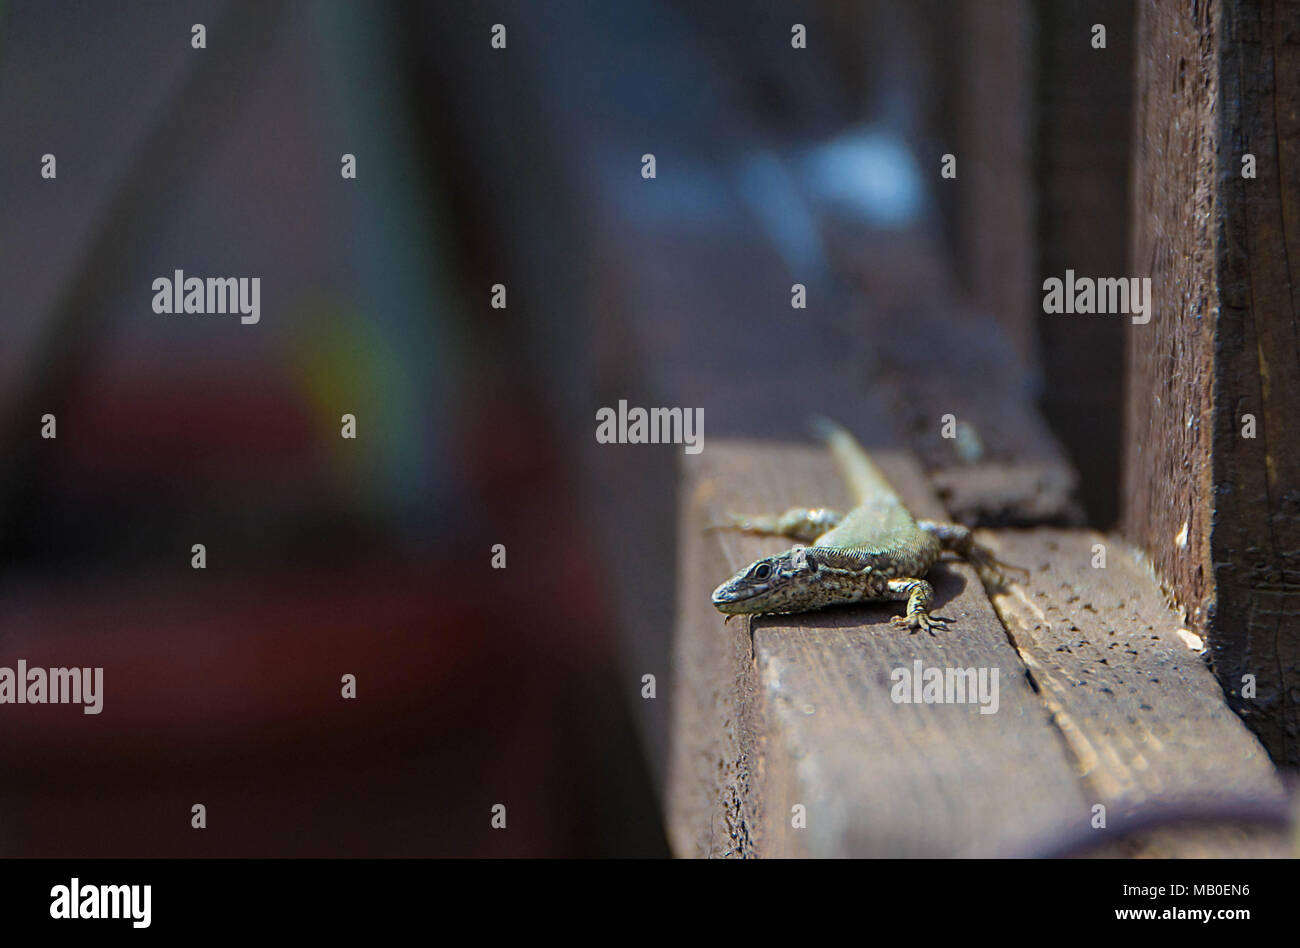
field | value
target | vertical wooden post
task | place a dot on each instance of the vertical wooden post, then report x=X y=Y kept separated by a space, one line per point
x=1213 y=463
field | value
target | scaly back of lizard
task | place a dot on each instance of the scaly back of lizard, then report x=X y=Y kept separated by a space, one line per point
x=875 y=551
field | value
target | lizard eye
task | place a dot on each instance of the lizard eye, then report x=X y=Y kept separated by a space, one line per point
x=762 y=571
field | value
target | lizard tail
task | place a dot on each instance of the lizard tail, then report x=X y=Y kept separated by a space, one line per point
x=823 y=429
x=865 y=480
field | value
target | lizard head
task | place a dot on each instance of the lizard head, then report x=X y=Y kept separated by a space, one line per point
x=784 y=582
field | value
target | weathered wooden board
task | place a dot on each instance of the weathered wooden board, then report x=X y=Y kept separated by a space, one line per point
x=1214 y=508
x=1101 y=701
x=801 y=713
x=1081 y=120
x=1127 y=683
x=992 y=110
x=1040 y=122
x=1255 y=543
x=931 y=361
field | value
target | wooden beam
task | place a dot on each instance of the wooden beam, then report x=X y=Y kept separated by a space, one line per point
x=993 y=43
x=1215 y=508
x=1101 y=701
x=1082 y=122
x=801 y=713
x=1126 y=682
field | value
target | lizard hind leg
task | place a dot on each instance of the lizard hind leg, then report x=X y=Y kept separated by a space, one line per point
x=805 y=524
x=919 y=594
x=955 y=538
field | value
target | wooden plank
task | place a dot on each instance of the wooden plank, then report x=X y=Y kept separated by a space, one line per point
x=801 y=711
x=1082 y=125
x=1170 y=360
x=1216 y=510
x=1005 y=467
x=1040 y=122
x=993 y=135
x=1255 y=544
x=1128 y=686
x=1102 y=701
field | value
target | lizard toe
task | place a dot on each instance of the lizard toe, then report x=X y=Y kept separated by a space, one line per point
x=931 y=623
x=995 y=570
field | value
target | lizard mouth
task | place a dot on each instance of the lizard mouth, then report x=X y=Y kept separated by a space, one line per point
x=724 y=594
x=729 y=598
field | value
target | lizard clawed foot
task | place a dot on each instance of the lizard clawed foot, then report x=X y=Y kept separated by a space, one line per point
x=922 y=620
x=804 y=524
x=992 y=570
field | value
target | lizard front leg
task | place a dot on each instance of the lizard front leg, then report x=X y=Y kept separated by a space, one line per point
x=804 y=524
x=955 y=538
x=919 y=594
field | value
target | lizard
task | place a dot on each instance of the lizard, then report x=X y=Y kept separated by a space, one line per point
x=873 y=552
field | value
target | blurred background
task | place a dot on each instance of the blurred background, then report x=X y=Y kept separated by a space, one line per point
x=478 y=166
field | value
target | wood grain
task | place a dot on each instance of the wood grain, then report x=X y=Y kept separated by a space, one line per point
x=1216 y=511
x=1082 y=116
x=1255 y=543
x=1100 y=702
x=992 y=135
x=1126 y=681
x=801 y=712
